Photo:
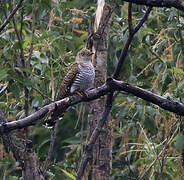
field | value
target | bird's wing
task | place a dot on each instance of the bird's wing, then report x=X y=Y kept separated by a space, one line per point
x=67 y=81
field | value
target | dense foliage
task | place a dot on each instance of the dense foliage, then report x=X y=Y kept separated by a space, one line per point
x=36 y=49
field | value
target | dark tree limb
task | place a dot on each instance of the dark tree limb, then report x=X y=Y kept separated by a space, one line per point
x=47 y=162
x=11 y=15
x=124 y=52
x=130 y=26
x=178 y=4
x=164 y=103
x=88 y=148
x=145 y=17
x=111 y=86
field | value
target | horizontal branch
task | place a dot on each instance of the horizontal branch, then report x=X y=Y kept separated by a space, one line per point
x=178 y=4
x=61 y=106
x=111 y=85
x=164 y=103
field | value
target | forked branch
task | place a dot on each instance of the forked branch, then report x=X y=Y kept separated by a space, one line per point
x=124 y=52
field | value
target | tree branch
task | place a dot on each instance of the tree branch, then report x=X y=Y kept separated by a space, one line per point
x=178 y=4
x=47 y=162
x=96 y=132
x=112 y=85
x=130 y=26
x=164 y=103
x=124 y=52
x=11 y=15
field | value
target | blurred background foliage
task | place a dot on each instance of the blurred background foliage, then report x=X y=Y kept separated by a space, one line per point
x=147 y=140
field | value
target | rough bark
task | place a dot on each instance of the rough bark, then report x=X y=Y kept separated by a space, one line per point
x=101 y=152
x=31 y=170
x=23 y=153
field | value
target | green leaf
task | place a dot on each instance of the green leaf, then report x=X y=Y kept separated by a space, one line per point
x=179 y=144
x=36 y=54
x=26 y=42
x=177 y=70
x=3 y=73
x=71 y=176
x=15 y=89
x=13 y=178
x=72 y=140
x=144 y=31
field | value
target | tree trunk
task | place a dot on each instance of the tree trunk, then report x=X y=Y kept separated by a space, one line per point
x=31 y=169
x=23 y=153
x=102 y=150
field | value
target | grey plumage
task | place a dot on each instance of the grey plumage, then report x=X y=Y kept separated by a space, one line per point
x=84 y=79
x=80 y=76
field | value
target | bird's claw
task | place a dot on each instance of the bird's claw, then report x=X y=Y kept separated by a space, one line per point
x=82 y=93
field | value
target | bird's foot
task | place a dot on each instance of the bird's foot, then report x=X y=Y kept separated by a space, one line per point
x=49 y=122
x=82 y=93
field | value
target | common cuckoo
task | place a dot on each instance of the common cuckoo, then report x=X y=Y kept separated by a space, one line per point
x=80 y=76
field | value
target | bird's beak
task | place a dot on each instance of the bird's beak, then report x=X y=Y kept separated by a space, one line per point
x=91 y=53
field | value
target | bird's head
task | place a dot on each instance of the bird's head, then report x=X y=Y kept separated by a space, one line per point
x=84 y=55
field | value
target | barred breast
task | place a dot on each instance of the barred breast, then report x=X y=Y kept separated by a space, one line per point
x=68 y=81
x=84 y=79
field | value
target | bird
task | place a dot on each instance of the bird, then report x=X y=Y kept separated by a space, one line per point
x=79 y=78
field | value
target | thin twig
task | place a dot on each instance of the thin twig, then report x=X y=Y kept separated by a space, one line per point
x=42 y=94
x=47 y=162
x=177 y=123
x=32 y=34
x=22 y=57
x=130 y=26
x=145 y=17
x=21 y=22
x=11 y=15
x=82 y=127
